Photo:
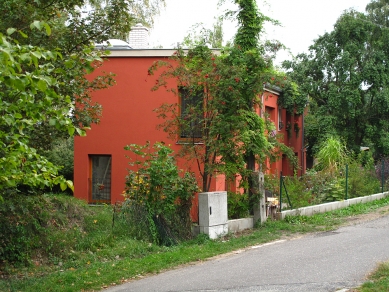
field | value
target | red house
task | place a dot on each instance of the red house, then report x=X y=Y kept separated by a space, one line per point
x=100 y=165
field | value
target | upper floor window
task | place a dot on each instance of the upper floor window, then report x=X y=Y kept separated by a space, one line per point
x=192 y=113
x=280 y=121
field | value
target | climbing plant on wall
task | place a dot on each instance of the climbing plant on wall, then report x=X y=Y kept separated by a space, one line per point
x=233 y=137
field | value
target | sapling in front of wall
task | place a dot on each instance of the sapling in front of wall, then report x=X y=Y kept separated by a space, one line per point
x=158 y=194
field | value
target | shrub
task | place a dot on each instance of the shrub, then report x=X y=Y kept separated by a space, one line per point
x=22 y=220
x=332 y=155
x=299 y=195
x=157 y=196
x=362 y=181
x=62 y=154
x=44 y=228
x=382 y=171
x=238 y=205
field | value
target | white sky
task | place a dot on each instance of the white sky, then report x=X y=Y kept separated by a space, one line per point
x=302 y=20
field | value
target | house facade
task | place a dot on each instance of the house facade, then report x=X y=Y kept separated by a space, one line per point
x=100 y=163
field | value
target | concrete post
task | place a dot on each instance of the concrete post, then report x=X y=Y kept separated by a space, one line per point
x=259 y=203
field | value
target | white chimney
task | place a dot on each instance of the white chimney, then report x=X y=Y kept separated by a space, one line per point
x=139 y=37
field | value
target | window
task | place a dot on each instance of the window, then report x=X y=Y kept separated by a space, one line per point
x=191 y=112
x=280 y=122
x=270 y=111
x=100 y=178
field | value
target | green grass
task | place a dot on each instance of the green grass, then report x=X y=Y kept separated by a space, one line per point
x=378 y=280
x=91 y=254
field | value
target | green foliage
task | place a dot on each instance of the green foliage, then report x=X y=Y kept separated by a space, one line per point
x=62 y=155
x=321 y=186
x=382 y=171
x=299 y=194
x=378 y=280
x=32 y=229
x=346 y=78
x=20 y=228
x=233 y=135
x=156 y=194
x=94 y=253
x=46 y=54
x=238 y=205
x=362 y=181
x=229 y=126
x=27 y=76
x=199 y=35
x=332 y=156
x=234 y=138
x=292 y=99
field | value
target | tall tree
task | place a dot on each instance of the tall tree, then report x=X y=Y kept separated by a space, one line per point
x=45 y=57
x=346 y=77
x=199 y=35
x=378 y=12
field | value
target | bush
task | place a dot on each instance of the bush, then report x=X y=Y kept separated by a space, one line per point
x=362 y=181
x=329 y=184
x=157 y=196
x=382 y=171
x=299 y=194
x=22 y=221
x=238 y=205
x=43 y=227
x=62 y=154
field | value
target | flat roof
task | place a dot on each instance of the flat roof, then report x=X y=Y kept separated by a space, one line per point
x=141 y=53
x=145 y=53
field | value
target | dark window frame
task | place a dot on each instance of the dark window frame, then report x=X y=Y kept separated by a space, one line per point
x=191 y=99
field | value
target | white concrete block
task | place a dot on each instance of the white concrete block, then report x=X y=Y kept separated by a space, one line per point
x=215 y=231
x=240 y=224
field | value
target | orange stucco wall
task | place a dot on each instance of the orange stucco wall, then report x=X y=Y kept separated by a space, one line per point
x=294 y=140
x=128 y=118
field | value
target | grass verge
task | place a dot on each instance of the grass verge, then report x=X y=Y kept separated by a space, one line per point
x=378 y=281
x=100 y=254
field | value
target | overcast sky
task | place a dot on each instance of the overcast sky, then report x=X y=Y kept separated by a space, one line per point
x=302 y=20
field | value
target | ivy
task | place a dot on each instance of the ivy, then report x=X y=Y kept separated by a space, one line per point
x=292 y=99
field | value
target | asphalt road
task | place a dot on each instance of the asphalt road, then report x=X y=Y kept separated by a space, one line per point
x=328 y=261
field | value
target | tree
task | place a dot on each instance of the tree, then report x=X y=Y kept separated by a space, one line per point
x=23 y=81
x=219 y=95
x=142 y=11
x=378 y=12
x=346 y=77
x=44 y=84
x=199 y=35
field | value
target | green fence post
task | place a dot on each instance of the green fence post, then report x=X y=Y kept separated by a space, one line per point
x=346 y=181
x=382 y=175
x=281 y=191
x=287 y=195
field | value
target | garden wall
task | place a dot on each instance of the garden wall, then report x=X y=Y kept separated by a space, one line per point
x=322 y=208
x=247 y=223
x=237 y=225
